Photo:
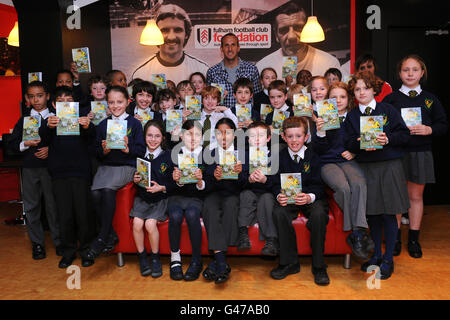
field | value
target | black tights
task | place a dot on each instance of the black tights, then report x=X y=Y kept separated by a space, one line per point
x=105 y=205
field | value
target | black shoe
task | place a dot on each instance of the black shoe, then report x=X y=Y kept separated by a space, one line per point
x=321 y=276
x=144 y=267
x=372 y=262
x=414 y=249
x=66 y=262
x=95 y=249
x=156 y=266
x=176 y=272
x=193 y=271
x=59 y=251
x=397 y=248
x=210 y=272
x=244 y=240
x=111 y=242
x=369 y=244
x=222 y=273
x=85 y=262
x=38 y=252
x=356 y=241
x=270 y=248
x=282 y=271
x=386 y=269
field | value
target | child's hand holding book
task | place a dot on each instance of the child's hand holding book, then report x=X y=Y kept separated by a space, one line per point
x=52 y=121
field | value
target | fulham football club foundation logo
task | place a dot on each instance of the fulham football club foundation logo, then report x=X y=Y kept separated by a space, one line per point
x=204 y=36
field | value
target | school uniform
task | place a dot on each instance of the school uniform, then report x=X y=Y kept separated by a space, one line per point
x=316 y=212
x=343 y=176
x=36 y=182
x=418 y=159
x=277 y=134
x=257 y=203
x=210 y=140
x=255 y=113
x=171 y=140
x=69 y=165
x=260 y=98
x=149 y=205
x=221 y=207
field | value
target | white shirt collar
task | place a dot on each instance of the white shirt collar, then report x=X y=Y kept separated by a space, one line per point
x=230 y=148
x=155 y=153
x=123 y=116
x=266 y=92
x=405 y=90
x=196 y=151
x=285 y=107
x=136 y=109
x=44 y=113
x=300 y=153
x=372 y=105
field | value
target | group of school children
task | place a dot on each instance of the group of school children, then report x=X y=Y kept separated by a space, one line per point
x=78 y=176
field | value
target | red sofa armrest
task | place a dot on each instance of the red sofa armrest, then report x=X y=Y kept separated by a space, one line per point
x=121 y=223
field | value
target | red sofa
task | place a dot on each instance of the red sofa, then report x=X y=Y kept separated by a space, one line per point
x=335 y=238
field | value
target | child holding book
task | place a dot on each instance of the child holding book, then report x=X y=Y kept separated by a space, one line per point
x=70 y=78
x=187 y=202
x=342 y=174
x=184 y=88
x=333 y=75
x=116 y=78
x=97 y=92
x=221 y=205
x=69 y=165
x=267 y=76
x=212 y=112
x=243 y=93
x=198 y=80
x=297 y=158
x=144 y=93
x=117 y=166
x=387 y=194
x=150 y=204
x=167 y=101
x=418 y=158
x=278 y=95
x=36 y=181
x=256 y=199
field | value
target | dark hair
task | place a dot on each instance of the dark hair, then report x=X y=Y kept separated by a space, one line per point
x=278 y=85
x=189 y=124
x=228 y=35
x=335 y=72
x=37 y=84
x=63 y=91
x=166 y=94
x=289 y=9
x=134 y=81
x=157 y=124
x=185 y=83
x=371 y=81
x=144 y=86
x=226 y=121
x=243 y=83
x=419 y=61
x=119 y=89
x=363 y=59
x=110 y=74
x=174 y=11
x=62 y=71
x=304 y=74
x=201 y=75
x=267 y=69
x=259 y=124
x=96 y=79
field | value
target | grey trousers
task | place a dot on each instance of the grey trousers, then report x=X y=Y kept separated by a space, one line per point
x=37 y=182
x=220 y=217
x=257 y=208
x=350 y=191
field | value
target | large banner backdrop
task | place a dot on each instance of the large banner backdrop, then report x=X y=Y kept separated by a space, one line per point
x=213 y=18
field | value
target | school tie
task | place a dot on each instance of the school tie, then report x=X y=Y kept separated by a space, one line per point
x=206 y=127
x=150 y=156
x=341 y=119
x=368 y=111
x=296 y=158
x=413 y=93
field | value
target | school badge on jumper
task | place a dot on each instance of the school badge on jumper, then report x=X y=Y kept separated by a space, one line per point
x=306 y=167
x=129 y=132
x=385 y=120
x=163 y=167
x=428 y=103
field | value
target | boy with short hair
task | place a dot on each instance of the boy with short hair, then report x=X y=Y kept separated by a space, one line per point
x=70 y=78
x=243 y=92
x=278 y=94
x=69 y=166
x=297 y=158
x=184 y=88
x=35 y=177
x=257 y=200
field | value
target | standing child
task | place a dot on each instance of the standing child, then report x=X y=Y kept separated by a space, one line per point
x=184 y=88
x=198 y=80
x=333 y=76
x=256 y=199
x=267 y=76
x=36 y=181
x=221 y=206
x=116 y=78
x=69 y=165
x=342 y=174
x=167 y=101
x=418 y=159
x=117 y=166
x=278 y=95
x=97 y=92
x=144 y=93
x=150 y=204
x=297 y=158
x=187 y=202
x=387 y=194
x=243 y=93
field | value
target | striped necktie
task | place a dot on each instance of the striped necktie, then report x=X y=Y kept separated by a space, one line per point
x=206 y=127
x=150 y=156
x=413 y=93
x=368 y=111
x=296 y=158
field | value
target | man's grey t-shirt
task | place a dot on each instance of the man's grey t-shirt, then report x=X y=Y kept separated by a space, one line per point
x=231 y=73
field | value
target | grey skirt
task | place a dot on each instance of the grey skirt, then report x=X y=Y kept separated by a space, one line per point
x=387 y=191
x=144 y=210
x=114 y=178
x=419 y=167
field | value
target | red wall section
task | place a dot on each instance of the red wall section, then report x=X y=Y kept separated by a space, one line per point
x=8 y=16
x=10 y=97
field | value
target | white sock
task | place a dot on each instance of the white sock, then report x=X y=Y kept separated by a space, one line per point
x=175 y=256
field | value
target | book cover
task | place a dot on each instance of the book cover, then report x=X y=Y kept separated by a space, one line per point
x=265 y=110
x=244 y=112
x=227 y=160
x=187 y=163
x=278 y=118
x=327 y=110
x=194 y=104
x=98 y=108
x=412 y=116
x=221 y=88
x=370 y=127
x=289 y=67
x=81 y=58
x=302 y=104
x=68 y=113
x=34 y=76
x=144 y=169
x=174 y=119
x=31 y=126
x=291 y=185
x=116 y=132
x=159 y=80
x=259 y=159
x=145 y=115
